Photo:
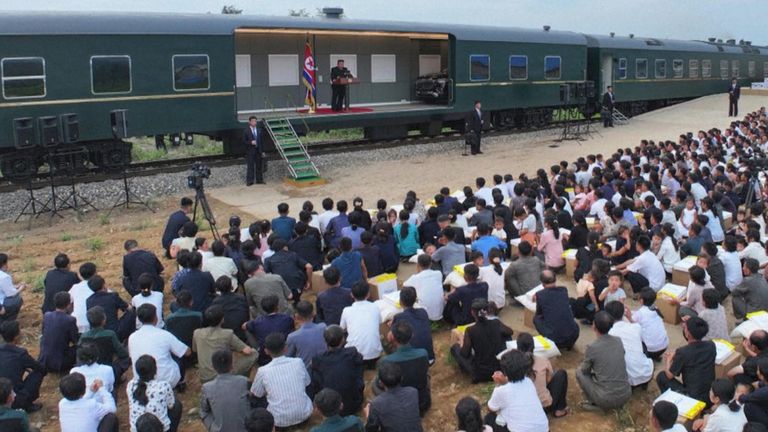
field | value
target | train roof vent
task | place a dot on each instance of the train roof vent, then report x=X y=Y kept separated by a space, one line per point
x=712 y=39
x=720 y=48
x=748 y=43
x=546 y=28
x=731 y=41
x=719 y=41
x=653 y=42
x=631 y=35
x=613 y=34
x=333 y=12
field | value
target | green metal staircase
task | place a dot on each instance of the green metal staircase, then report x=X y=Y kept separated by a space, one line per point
x=292 y=150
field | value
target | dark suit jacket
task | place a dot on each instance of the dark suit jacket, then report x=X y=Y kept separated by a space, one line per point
x=175 y=222
x=607 y=101
x=474 y=122
x=734 y=93
x=339 y=73
x=248 y=137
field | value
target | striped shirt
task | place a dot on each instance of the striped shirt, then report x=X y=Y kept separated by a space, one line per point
x=283 y=381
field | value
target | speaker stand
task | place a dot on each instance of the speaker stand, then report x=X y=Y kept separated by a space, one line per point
x=33 y=207
x=128 y=197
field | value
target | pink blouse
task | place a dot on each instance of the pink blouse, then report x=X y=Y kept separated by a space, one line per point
x=552 y=248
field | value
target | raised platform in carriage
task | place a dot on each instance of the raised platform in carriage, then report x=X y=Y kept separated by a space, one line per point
x=324 y=111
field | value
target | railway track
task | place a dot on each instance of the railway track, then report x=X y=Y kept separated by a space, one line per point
x=150 y=168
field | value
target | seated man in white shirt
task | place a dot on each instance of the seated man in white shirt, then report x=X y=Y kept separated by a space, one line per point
x=220 y=265
x=664 y=418
x=79 y=294
x=81 y=413
x=645 y=270
x=10 y=298
x=428 y=284
x=639 y=367
x=283 y=382
x=361 y=321
x=158 y=343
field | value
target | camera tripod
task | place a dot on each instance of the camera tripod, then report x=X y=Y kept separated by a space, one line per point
x=202 y=201
x=753 y=189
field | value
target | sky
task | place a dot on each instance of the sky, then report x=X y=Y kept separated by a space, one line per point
x=676 y=19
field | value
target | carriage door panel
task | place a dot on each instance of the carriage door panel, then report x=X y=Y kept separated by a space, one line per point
x=606 y=72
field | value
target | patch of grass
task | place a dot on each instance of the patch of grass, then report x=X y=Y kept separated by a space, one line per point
x=624 y=418
x=449 y=360
x=333 y=135
x=144 y=149
x=28 y=265
x=65 y=237
x=36 y=283
x=16 y=241
x=141 y=226
x=104 y=219
x=94 y=244
x=437 y=326
x=485 y=392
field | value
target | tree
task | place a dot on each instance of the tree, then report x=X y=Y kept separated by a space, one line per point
x=231 y=10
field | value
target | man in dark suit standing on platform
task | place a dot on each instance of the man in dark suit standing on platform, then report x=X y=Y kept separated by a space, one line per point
x=475 y=128
x=339 y=91
x=734 y=92
x=253 y=156
x=607 y=111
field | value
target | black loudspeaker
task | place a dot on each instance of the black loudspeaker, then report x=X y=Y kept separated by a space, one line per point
x=565 y=93
x=24 y=133
x=49 y=131
x=70 y=128
x=580 y=90
x=590 y=89
x=119 y=121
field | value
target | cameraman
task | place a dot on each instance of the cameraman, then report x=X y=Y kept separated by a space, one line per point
x=254 y=154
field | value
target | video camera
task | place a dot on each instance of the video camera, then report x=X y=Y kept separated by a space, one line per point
x=197 y=174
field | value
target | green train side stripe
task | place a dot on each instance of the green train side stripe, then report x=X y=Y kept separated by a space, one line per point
x=113 y=99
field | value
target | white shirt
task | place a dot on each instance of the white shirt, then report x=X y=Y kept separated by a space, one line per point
x=79 y=294
x=639 y=367
x=361 y=321
x=495 y=281
x=732 y=264
x=324 y=218
x=429 y=292
x=649 y=266
x=676 y=428
x=94 y=372
x=283 y=381
x=245 y=234
x=221 y=266
x=725 y=420
x=7 y=288
x=654 y=333
x=598 y=208
x=667 y=254
x=160 y=344
x=485 y=193
x=156 y=300
x=84 y=414
x=756 y=251
x=583 y=177
x=698 y=191
x=519 y=405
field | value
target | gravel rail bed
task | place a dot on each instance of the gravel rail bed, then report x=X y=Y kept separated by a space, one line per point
x=105 y=194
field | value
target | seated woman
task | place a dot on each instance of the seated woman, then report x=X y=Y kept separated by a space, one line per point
x=551 y=385
x=483 y=340
x=149 y=395
x=586 y=254
x=551 y=245
x=665 y=247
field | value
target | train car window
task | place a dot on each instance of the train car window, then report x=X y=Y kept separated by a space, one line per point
x=552 y=67
x=191 y=72
x=23 y=77
x=677 y=68
x=518 y=67
x=641 y=68
x=735 y=68
x=479 y=67
x=693 y=68
x=706 y=68
x=724 y=69
x=110 y=74
x=383 y=68
x=622 y=68
x=661 y=68
x=765 y=69
x=751 y=69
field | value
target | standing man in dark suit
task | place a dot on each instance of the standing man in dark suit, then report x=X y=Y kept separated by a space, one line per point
x=607 y=112
x=475 y=128
x=734 y=92
x=254 y=154
x=339 y=91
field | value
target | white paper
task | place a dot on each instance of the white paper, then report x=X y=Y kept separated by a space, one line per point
x=683 y=403
x=685 y=263
x=723 y=352
x=672 y=290
x=527 y=298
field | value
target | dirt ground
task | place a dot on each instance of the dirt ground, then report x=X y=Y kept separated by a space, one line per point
x=98 y=238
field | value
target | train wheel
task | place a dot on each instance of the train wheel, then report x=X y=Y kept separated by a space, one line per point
x=16 y=167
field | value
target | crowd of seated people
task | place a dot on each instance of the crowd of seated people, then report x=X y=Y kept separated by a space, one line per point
x=269 y=349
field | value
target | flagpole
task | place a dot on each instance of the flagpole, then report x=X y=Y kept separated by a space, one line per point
x=313 y=109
